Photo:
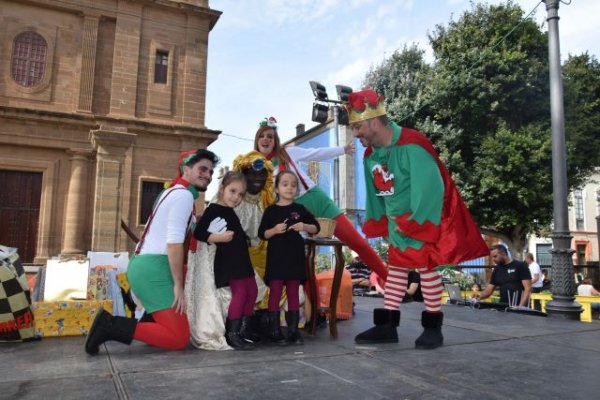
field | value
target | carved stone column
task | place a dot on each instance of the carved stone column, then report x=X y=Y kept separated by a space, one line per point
x=75 y=210
x=88 y=63
x=111 y=145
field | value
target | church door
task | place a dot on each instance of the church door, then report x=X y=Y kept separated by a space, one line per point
x=20 y=211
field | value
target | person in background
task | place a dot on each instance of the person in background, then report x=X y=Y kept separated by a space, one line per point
x=475 y=288
x=586 y=289
x=511 y=276
x=155 y=272
x=360 y=273
x=537 y=278
x=413 y=291
x=377 y=284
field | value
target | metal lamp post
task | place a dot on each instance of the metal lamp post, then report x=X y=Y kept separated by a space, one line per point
x=321 y=114
x=563 y=281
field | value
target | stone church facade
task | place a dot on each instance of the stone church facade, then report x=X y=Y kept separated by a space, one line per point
x=97 y=100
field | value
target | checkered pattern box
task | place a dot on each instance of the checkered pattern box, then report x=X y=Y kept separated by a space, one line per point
x=66 y=318
x=16 y=320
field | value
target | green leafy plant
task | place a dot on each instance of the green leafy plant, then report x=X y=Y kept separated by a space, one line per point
x=453 y=275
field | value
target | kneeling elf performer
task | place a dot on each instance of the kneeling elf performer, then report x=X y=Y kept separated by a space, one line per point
x=155 y=272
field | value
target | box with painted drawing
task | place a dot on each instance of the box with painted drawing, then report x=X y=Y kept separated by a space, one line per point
x=67 y=317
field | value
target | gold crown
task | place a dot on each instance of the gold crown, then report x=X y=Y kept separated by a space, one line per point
x=367 y=113
x=365 y=104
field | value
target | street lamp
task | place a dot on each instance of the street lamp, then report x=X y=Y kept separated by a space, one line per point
x=323 y=103
x=343 y=93
x=563 y=303
x=320 y=113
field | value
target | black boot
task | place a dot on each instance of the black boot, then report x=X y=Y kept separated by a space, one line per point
x=233 y=337
x=261 y=323
x=432 y=335
x=106 y=327
x=292 y=318
x=146 y=317
x=247 y=332
x=275 y=335
x=386 y=321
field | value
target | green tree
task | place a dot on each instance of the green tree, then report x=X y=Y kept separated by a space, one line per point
x=484 y=103
x=401 y=79
x=581 y=82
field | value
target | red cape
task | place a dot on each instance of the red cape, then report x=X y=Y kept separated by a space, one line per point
x=459 y=237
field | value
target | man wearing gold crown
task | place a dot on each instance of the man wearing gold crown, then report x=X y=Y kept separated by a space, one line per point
x=412 y=201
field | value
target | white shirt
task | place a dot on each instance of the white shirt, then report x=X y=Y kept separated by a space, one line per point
x=299 y=154
x=170 y=221
x=585 y=290
x=534 y=268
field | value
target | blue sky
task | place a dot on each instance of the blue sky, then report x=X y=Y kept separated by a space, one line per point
x=262 y=53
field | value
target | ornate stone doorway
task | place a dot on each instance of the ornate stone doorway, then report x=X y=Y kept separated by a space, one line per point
x=20 y=211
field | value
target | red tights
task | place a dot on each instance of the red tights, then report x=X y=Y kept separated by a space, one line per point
x=170 y=330
x=346 y=232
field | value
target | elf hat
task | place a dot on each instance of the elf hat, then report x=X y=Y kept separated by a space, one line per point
x=184 y=158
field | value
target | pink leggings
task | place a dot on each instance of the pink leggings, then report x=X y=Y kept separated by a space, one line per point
x=170 y=330
x=276 y=288
x=243 y=297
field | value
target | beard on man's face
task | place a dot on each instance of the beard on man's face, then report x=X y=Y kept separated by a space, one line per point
x=202 y=186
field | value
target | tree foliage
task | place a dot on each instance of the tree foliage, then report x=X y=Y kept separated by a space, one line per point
x=484 y=103
x=401 y=79
x=581 y=82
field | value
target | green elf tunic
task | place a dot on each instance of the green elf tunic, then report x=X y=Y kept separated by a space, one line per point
x=409 y=188
x=405 y=193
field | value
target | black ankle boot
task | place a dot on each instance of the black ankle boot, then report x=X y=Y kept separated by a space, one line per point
x=106 y=327
x=432 y=335
x=386 y=321
x=247 y=332
x=292 y=318
x=146 y=317
x=233 y=337
x=275 y=335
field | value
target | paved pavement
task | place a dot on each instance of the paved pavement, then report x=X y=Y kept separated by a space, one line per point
x=487 y=355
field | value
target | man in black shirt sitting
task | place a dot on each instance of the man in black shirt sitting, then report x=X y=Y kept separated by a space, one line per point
x=360 y=273
x=511 y=276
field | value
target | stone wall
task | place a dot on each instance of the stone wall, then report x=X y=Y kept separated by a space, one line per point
x=97 y=125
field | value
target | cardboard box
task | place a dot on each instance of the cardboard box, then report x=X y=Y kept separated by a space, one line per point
x=66 y=318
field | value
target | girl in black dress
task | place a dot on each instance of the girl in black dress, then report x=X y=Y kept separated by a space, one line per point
x=220 y=225
x=281 y=225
